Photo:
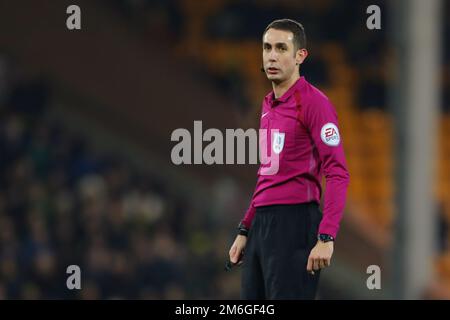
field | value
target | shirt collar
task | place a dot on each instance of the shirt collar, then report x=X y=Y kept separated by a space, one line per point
x=297 y=85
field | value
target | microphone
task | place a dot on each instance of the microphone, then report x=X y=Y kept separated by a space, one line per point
x=229 y=265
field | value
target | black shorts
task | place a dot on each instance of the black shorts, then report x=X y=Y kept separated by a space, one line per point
x=276 y=254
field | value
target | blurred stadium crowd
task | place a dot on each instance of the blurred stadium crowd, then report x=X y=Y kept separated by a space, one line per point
x=63 y=202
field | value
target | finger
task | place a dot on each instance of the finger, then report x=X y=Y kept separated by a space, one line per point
x=309 y=265
x=230 y=254
x=316 y=264
x=327 y=262
x=323 y=263
x=319 y=264
x=238 y=255
x=233 y=255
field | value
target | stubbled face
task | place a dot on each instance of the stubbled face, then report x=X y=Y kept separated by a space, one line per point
x=280 y=60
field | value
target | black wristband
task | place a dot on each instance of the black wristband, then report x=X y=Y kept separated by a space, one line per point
x=325 y=237
x=242 y=230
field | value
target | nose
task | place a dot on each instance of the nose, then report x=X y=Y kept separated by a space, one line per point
x=272 y=56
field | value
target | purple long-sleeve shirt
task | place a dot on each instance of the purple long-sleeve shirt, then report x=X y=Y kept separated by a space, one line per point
x=308 y=145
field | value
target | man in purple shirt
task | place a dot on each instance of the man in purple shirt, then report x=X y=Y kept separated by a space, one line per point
x=286 y=238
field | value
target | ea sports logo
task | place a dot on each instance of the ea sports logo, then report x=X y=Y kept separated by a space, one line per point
x=330 y=135
x=330 y=132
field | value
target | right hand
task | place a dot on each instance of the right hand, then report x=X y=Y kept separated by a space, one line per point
x=237 y=249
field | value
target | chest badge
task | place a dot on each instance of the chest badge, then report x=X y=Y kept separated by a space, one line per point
x=278 y=142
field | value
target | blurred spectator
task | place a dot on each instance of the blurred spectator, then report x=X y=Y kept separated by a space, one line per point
x=62 y=204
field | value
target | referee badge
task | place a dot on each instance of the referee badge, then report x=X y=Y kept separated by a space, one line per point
x=278 y=142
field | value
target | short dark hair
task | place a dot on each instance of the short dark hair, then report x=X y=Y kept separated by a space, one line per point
x=293 y=26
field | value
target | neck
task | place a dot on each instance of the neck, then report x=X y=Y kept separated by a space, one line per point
x=280 y=88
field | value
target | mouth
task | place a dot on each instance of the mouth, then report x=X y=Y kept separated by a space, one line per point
x=272 y=70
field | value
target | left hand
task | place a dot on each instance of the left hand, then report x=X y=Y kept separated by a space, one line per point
x=320 y=256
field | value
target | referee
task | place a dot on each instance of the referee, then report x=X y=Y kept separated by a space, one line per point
x=284 y=240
